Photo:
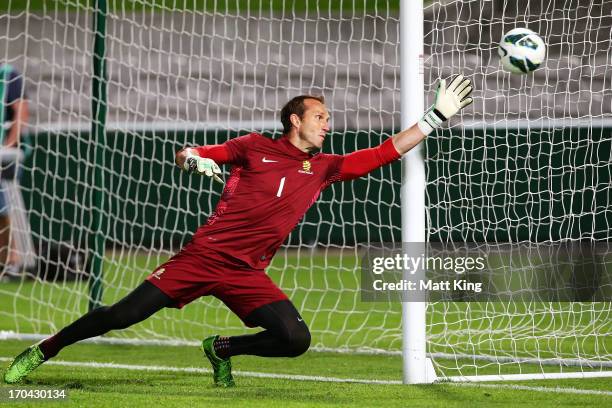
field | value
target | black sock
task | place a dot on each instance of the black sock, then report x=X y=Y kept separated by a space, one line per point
x=139 y=304
x=286 y=334
x=221 y=346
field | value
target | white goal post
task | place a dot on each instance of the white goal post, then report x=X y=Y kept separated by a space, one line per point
x=417 y=368
x=527 y=163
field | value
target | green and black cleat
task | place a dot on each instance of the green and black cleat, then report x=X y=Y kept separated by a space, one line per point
x=222 y=367
x=24 y=364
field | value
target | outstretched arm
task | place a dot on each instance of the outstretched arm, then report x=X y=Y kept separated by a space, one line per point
x=361 y=162
x=405 y=140
x=448 y=102
x=203 y=160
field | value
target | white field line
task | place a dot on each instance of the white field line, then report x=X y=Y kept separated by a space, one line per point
x=532 y=376
x=293 y=377
x=583 y=363
x=558 y=390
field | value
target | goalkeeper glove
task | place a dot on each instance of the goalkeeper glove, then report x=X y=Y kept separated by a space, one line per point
x=448 y=102
x=203 y=166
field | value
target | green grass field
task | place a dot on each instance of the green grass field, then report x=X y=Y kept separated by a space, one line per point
x=113 y=387
x=326 y=284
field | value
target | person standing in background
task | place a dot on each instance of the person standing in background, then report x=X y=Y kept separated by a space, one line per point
x=14 y=111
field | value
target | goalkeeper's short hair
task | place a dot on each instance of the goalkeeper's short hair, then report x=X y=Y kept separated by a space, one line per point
x=296 y=105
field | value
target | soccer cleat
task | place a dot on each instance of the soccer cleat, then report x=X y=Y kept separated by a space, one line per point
x=24 y=364
x=222 y=367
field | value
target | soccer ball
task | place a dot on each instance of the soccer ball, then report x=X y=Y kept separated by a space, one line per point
x=521 y=51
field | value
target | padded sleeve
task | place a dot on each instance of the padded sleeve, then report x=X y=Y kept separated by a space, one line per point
x=361 y=162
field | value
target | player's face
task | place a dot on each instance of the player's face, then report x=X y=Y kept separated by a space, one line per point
x=314 y=125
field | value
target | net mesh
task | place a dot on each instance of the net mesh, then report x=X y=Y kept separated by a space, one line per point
x=528 y=162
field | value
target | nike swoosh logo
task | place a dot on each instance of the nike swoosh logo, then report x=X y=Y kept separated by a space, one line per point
x=300 y=320
x=268 y=160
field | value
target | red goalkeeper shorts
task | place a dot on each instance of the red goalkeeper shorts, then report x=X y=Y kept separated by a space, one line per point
x=196 y=271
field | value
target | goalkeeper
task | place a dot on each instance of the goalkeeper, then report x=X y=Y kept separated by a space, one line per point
x=271 y=185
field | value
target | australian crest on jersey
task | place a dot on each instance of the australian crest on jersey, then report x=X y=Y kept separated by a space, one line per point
x=306 y=167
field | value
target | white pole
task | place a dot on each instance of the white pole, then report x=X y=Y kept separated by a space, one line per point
x=413 y=182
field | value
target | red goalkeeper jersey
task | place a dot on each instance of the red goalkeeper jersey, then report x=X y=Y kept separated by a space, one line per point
x=271 y=186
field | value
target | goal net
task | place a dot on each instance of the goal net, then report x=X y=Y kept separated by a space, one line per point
x=529 y=162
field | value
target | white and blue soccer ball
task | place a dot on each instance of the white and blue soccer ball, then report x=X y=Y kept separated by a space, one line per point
x=521 y=51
